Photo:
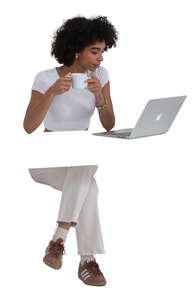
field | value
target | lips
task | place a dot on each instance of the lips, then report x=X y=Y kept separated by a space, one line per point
x=96 y=66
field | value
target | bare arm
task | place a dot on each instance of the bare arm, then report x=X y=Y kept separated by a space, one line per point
x=37 y=109
x=106 y=114
x=40 y=103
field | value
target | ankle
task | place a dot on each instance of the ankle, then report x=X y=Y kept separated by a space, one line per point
x=60 y=233
x=64 y=225
x=87 y=258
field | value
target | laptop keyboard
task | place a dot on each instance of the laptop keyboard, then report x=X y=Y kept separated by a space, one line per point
x=122 y=133
x=119 y=134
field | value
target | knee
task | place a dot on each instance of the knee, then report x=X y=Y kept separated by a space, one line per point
x=94 y=186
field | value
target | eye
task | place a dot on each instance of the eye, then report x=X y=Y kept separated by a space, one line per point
x=94 y=52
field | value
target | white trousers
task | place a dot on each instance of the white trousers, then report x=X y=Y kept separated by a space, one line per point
x=78 y=203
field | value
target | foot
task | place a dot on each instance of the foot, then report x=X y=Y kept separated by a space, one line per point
x=54 y=253
x=90 y=274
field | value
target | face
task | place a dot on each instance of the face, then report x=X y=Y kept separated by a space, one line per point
x=91 y=57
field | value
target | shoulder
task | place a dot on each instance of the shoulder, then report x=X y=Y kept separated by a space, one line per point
x=45 y=74
x=102 y=74
x=43 y=80
x=101 y=71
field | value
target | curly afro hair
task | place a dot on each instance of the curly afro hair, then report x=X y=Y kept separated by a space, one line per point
x=77 y=33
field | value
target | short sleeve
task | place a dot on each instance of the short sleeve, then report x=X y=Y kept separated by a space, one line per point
x=38 y=84
x=103 y=76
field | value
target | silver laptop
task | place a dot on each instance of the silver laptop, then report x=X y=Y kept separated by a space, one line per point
x=157 y=117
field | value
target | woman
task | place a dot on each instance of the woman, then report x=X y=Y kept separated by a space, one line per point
x=79 y=45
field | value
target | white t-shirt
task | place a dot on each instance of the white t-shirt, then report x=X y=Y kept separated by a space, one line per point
x=73 y=109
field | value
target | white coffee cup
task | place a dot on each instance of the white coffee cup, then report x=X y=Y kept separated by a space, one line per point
x=78 y=80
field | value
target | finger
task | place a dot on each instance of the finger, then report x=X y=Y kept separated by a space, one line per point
x=68 y=84
x=67 y=78
x=93 y=76
x=65 y=84
x=90 y=80
x=91 y=85
x=68 y=75
x=92 y=88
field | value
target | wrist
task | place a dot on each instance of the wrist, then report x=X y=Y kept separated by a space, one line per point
x=50 y=92
x=100 y=107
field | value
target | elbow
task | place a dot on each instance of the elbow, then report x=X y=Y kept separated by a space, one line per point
x=27 y=128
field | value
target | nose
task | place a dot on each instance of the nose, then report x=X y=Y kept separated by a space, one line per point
x=100 y=58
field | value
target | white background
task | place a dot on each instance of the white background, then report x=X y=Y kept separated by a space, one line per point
x=146 y=186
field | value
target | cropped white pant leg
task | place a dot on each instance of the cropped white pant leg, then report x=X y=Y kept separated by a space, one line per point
x=78 y=203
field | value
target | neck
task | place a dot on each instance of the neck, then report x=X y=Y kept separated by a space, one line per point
x=76 y=68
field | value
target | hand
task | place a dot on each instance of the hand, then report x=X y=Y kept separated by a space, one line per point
x=61 y=85
x=94 y=85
